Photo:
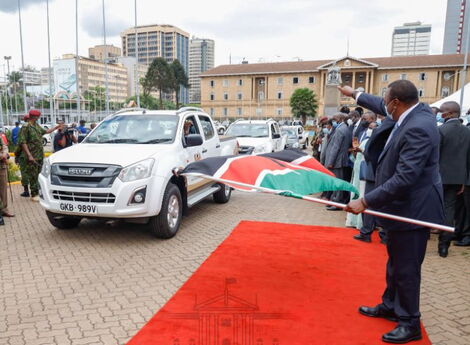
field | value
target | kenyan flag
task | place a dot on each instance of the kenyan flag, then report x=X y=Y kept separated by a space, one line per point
x=275 y=174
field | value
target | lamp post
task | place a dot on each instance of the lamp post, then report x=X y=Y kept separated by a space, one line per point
x=49 y=79
x=105 y=61
x=77 y=78
x=136 y=76
x=22 y=58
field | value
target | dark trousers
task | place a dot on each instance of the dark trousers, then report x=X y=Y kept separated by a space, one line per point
x=450 y=203
x=368 y=222
x=341 y=196
x=462 y=214
x=406 y=250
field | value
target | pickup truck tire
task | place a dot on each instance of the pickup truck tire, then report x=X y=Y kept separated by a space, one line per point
x=166 y=224
x=61 y=221
x=223 y=195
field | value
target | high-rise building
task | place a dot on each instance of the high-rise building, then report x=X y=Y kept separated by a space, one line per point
x=456 y=29
x=166 y=41
x=45 y=75
x=411 y=39
x=31 y=76
x=99 y=52
x=201 y=58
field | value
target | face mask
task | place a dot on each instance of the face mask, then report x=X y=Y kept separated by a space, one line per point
x=379 y=122
x=335 y=124
x=369 y=132
x=439 y=118
x=350 y=122
x=325 y=131
x=364 y=124
x=386 y=109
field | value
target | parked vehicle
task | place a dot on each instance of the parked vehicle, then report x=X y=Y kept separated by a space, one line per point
x=258 y=136
x=292 y=137
x=124 y=169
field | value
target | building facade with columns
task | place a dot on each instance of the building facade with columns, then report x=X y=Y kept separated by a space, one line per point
x=263 y=90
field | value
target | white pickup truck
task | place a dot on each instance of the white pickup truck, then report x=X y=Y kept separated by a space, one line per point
x=124 y=170
x=257 y=136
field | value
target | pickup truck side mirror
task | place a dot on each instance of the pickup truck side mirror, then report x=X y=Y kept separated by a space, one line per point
x=193 y=140
x=276 y=135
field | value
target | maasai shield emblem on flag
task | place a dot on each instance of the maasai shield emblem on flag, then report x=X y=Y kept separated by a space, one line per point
x=274 y=174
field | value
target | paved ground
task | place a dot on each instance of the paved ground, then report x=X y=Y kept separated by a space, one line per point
x=100 y=283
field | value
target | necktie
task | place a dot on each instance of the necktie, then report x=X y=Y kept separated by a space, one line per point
x=391 y=134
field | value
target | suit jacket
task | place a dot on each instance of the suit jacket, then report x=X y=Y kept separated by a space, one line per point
x=337 y=154
x=454 y=161
x=407 y=179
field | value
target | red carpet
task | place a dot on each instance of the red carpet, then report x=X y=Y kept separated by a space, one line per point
x=277 y=284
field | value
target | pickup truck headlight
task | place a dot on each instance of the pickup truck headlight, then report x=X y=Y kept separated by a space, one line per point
x=137 y=171
x=260 y=149
x=46 y=168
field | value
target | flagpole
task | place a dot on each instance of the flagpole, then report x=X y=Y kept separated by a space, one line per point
x=325 y=202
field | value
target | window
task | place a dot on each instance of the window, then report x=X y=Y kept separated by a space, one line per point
x=385 y=77
x=421 y=92
x=279 y=111
x=260 y=95
x=422 y=76
x=445 y=91
x=295 y=80
x=259 y=111
x=239 y=112
x=225 y=96
x=403 y=76
x=207 y=127
x=360 y=78
x=193 y=128
x=212 y=96
x=212 y=82
x=280 y=81
x=240 y=82
x=225 y=112
x=225 y=82
x=311 y=80
x=384 y=90
x=279 y=95
x=212 y=112
x=239 y=96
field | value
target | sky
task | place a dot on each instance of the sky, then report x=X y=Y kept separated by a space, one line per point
x=257 y=30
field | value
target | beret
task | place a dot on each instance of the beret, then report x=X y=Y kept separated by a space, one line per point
x=34 y=112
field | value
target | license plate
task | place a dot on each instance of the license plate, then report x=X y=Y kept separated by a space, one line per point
x=78 y=208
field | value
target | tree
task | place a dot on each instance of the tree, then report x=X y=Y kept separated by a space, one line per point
x=180 y=79
x=96 y=98
x=303 y=103
x=160 y=77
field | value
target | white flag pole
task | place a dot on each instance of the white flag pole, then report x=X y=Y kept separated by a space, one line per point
x=326 y=202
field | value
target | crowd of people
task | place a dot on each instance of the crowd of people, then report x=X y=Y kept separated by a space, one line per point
x=340 y=144
x=27 y=141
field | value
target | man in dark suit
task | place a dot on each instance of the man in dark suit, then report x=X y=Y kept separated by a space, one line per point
x=454 y=163
x=407 y=183
x=337 y=157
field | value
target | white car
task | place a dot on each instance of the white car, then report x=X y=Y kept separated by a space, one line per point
x=125 y=169
x=257 y=136
x=303 y=136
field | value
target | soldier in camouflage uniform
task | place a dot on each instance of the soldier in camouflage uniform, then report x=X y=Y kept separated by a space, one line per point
x=32 y=151
x=22 y=162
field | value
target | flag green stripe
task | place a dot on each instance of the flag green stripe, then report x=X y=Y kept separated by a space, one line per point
x=305 y=182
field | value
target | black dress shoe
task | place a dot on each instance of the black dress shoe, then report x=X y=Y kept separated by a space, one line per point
x=378 y=311
x=443 y=250
x=464 y=242
x=333 y=208
x=402 y=335
x=363 y=238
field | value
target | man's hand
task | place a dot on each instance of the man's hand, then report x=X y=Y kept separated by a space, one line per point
x=356 y=206
x=346 y=90
x=461 y=190
x=31 y=159
x=330 y=167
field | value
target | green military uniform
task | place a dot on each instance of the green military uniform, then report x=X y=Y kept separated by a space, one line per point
x=31 y=135
x=22 y=163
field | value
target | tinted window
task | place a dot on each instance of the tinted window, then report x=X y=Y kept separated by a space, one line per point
x=207 y=127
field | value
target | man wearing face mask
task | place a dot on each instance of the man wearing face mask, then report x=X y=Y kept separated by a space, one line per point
x=454 y=162
x=407 y=183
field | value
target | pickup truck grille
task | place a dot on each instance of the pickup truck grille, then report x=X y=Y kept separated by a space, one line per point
x=101 y=198
x=84 y=175
x=246 y=150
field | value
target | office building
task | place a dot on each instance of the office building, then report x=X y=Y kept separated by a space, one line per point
x=45 y=75
x=91 y=74
x=99 y=52
x=456 y=27
x=201 y=58
x=264 y=89
x=130 y=63
x=31 y=76
x=166 y=41
x=411 y=39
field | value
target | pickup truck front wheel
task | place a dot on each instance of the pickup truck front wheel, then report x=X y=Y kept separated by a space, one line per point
x=223 y=195
x=61 y=221
x=166 y=224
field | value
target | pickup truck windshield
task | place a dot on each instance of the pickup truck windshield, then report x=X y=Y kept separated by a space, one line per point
x=290 y=133
x=248 y=130
x=135 y=129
